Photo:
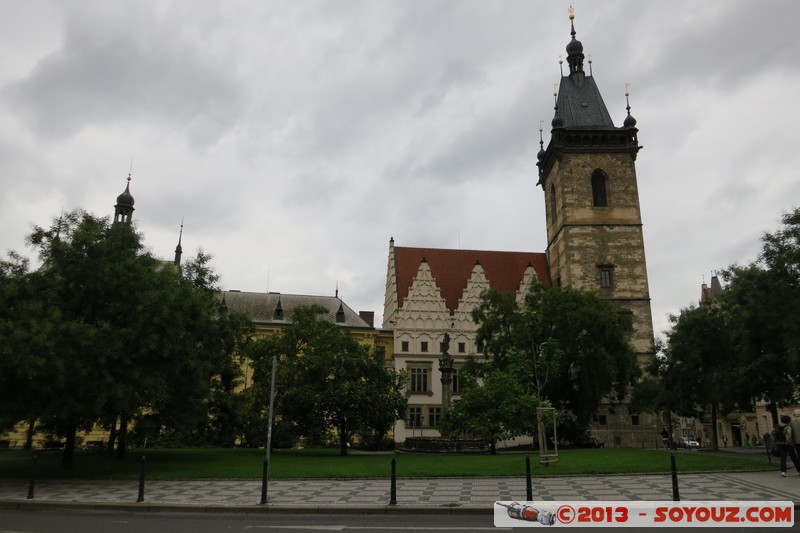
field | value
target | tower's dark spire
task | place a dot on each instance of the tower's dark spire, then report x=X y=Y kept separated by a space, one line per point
x=629 y=121
x=574 y=48
x=123 y=210
x=179 y=248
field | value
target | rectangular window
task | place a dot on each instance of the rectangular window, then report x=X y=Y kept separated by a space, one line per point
x=404 y=346
x=418 y=377
x=606 y=277
x=462 y=347
x=626 y=321
x=456 y=382
x=423 y=347
x=602 y=420
x=634 y=420
x=380 y=353
x=434 y=413
x=415 y=417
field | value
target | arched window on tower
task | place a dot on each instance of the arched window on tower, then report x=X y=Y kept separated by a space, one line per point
x=553 y=202
x=599 y=185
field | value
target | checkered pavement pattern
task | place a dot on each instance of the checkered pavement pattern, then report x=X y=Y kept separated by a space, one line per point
x=421 y=492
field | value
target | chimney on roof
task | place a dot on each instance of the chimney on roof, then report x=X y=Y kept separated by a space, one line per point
x=368 y=317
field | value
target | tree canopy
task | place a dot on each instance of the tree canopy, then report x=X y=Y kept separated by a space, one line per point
x=102 y=330
x=743 y=345
x=562 y=345
x=328 y=383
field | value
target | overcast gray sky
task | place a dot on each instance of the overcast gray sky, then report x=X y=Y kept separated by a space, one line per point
x=295 y=137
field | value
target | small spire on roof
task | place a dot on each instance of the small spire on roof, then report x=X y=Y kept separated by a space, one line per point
x=629 y=120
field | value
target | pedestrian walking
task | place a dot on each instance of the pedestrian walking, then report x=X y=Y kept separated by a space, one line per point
x=665 y=437
x=785 y=442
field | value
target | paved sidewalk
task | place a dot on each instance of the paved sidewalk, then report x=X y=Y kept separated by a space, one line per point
x=426 y=495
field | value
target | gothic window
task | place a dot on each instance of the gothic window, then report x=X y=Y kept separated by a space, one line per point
x=418 y=379
x=599 y=194
x=553 y=202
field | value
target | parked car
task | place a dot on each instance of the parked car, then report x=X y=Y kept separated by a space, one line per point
x=688 y=442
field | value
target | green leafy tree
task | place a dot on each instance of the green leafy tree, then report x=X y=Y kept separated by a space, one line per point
x=698 y=371
x=762 y=303
x=493 y=408
x=564 y=345
x=109 y=331
x=328 y=382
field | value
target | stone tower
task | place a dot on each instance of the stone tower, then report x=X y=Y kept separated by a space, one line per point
x=594 y=225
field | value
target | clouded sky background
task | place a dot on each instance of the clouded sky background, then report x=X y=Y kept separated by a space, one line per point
x=294 y=138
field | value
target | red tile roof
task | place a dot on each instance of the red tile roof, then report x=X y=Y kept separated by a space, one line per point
x=451 y=269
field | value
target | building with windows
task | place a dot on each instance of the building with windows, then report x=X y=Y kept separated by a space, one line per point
x=270 y=312
x=594 y=242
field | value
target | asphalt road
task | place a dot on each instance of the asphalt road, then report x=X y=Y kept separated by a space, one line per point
x=74 y=521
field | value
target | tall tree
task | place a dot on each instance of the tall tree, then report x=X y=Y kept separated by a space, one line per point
x=567 y=346
x=699 y=370
x=112 y=330
x=495 y=407
x=329 y=382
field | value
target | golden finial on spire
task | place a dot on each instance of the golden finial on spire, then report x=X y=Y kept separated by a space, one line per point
x=571 y=12
x=590 y=59
x=627 y=89
x=560 y=59
x=541 y=125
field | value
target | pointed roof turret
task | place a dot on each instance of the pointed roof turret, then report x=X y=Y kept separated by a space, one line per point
x=179 y=248
x=574 y=47
x=123 y=210
x=581 y=120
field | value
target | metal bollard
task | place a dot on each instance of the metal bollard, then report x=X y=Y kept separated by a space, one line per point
x=32 y=479
x=393 y=490
x=264 y=476
x=141 y=481
x=528 y=485
x=676 y=497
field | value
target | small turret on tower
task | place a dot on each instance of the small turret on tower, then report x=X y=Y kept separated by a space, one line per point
x=123 y=210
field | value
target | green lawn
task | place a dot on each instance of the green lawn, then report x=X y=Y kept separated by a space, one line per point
x=284 y=464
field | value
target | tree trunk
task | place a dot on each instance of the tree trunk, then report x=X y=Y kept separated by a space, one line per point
x=715 y=445
x=29 y=435
x=69 y=447
x=772 y=407
x=122 y=441
x=342 y=442
x=493 y=448
x=112 y=436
